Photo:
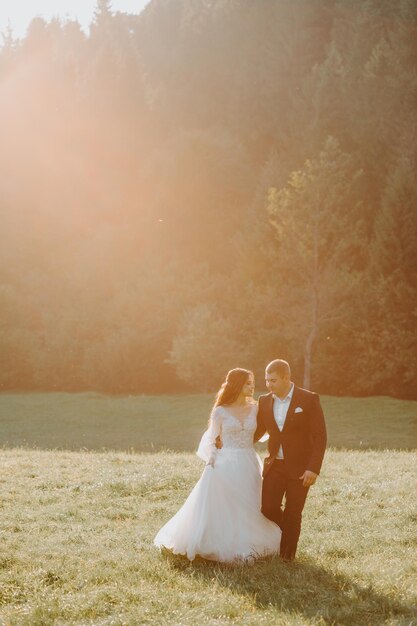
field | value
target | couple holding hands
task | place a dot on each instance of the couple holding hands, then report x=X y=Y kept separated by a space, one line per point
x=239 y=511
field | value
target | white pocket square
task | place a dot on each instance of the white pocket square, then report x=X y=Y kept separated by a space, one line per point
x=298 y=410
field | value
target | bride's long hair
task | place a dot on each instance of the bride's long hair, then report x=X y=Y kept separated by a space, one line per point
x=232 y=386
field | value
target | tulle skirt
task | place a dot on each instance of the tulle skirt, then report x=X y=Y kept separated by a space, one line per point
x=221 y=519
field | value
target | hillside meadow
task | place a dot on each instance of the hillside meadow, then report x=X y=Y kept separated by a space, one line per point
x=87 y=480
x=76 y=546
x=154 y=423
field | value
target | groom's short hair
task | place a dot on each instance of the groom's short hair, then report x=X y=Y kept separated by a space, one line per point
x=280 y=367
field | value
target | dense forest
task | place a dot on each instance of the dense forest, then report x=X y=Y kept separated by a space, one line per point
x=211 y=184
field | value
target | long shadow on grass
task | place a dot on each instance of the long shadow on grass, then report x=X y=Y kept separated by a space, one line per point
x=303 y=587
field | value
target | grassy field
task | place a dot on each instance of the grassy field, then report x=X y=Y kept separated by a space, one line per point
x=76 y=546
x=153 y=423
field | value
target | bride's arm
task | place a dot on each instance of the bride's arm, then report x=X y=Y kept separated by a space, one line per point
x=260 y=432
x=207 y=449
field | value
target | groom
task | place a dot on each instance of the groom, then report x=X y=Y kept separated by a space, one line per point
x=294 y=419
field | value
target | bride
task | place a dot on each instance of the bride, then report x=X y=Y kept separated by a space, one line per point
x=221 y=519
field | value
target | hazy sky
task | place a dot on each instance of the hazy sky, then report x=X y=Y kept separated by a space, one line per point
x=20 y=12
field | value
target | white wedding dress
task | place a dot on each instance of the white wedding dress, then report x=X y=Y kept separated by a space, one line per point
x=221 y=519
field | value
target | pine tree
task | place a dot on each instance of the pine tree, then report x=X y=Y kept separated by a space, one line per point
x=102 y=13
x=8 y=49
x=392 y=300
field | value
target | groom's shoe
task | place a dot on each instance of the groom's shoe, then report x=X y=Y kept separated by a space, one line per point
x=287 y=556
x=287 y=559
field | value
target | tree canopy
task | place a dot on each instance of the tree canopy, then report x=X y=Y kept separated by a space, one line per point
x=211 y=184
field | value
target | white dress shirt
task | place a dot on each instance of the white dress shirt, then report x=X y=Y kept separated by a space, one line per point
x=280 y=413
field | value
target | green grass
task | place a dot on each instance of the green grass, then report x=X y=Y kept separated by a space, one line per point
x=76 y=546
x=152 y=423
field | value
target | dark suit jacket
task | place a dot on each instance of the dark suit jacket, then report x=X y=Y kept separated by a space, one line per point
x=303 y=437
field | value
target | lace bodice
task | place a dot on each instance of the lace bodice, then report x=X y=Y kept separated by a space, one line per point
x=235 y=432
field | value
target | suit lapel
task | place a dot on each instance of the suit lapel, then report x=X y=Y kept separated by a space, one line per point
x=292 y=407
x=269 y=413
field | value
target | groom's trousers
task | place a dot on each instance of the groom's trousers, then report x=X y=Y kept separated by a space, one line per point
x=276 y=484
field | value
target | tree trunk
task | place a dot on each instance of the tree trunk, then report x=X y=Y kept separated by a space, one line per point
x=308 y=348
x=307 y=357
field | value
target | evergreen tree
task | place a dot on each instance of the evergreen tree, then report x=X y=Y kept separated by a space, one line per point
x=391 y=310
x=102 y=13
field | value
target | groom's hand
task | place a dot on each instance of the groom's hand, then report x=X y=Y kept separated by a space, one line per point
x=308 y=478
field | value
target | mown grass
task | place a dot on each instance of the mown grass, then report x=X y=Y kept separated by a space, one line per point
x=153 y=423
x=76 y=545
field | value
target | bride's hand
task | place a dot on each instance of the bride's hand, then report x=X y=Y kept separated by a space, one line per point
x=210 y=462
